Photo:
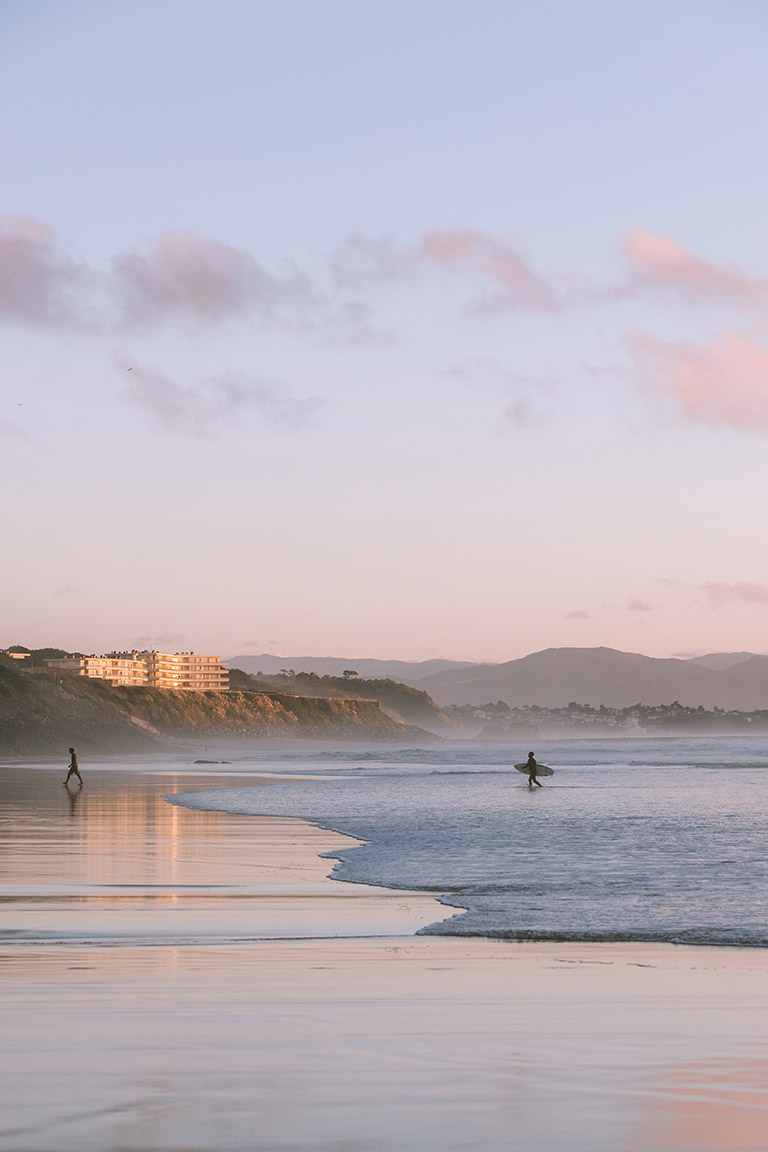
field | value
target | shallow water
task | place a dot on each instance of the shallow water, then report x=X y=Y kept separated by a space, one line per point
x=177 y=978
x=649 y=840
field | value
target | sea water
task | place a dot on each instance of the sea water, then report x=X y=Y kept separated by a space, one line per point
x=663 y=839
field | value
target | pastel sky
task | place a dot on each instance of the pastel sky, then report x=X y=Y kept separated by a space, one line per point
x=426 y=328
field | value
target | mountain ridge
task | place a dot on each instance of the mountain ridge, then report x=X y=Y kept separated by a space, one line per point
x=555 y=677
x=368 y=668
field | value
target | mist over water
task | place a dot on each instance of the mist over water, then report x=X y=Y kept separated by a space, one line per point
x=631 y=839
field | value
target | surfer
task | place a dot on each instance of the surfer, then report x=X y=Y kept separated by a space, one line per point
x=532 y=777
x=73 y=768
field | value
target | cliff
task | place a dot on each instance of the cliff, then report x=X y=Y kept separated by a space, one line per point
x=44 y=715
x=403 y=702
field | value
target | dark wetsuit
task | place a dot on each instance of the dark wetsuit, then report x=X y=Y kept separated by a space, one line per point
x=532 y=778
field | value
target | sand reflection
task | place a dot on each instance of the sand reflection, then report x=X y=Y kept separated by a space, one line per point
x=711 y=1105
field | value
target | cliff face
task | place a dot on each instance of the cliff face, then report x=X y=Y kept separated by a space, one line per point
x=42 y=715
x=403 y=702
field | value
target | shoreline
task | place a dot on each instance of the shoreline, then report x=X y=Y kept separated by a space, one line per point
x=310 y=1034
x=224 y=876
x=450 y=905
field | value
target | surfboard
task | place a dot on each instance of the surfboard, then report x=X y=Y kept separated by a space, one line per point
x=541 y=769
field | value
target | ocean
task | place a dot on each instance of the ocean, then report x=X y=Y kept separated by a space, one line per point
x=654 y=840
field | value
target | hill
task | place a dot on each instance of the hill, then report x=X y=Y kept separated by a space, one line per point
x=43 y=715
x=403 y=671
x=722 y=660
x=404 y=702
x=558 y=676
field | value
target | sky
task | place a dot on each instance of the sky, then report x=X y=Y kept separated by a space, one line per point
x=407 y=330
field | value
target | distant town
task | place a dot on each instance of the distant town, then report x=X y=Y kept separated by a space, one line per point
x=501 y=721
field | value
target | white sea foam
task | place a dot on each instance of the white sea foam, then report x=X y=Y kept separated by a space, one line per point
x=646 y=840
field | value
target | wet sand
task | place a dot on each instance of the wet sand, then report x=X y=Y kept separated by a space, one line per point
x=181 y=980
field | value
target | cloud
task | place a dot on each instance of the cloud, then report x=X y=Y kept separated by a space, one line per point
x=745 y=593
x=186 y=277
x=529 y=398
x=203 y=409
x=365 y=261
x=673 y=582
x=719 y=593
x=660 y=263
x=351 y=324
x=514 y=285
x=522 y=413
x=657 y=265
x=10 y=430
x=636 y=605
x=578 y=614
x=161 y=639
x=37 y=284
x=723 y=384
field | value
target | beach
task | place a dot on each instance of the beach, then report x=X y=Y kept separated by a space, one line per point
x=192 y=980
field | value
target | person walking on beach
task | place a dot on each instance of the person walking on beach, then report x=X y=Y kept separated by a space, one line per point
x=73 y=768
x=532 y=766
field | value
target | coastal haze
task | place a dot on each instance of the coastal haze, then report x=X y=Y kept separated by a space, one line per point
x=434 y=332
x=45 y=705
x=603 y=676
x=558 y=676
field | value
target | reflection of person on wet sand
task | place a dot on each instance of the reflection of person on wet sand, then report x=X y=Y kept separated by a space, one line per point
x=74 y=796
x=73 y=768
x=532 y=766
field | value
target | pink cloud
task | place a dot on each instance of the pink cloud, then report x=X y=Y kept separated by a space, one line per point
x=658 y=261
x=578 y=614
x=724 y=384
x=727 y=593
x=37 y=284
x=515 y=285
x=189 y=277
x=636 y=605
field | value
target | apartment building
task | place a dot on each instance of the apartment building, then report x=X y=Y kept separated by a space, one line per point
x=120 y=669
x=184 y=671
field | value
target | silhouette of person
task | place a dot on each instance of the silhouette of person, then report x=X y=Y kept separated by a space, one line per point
x=532 y=766
x=73 y=768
